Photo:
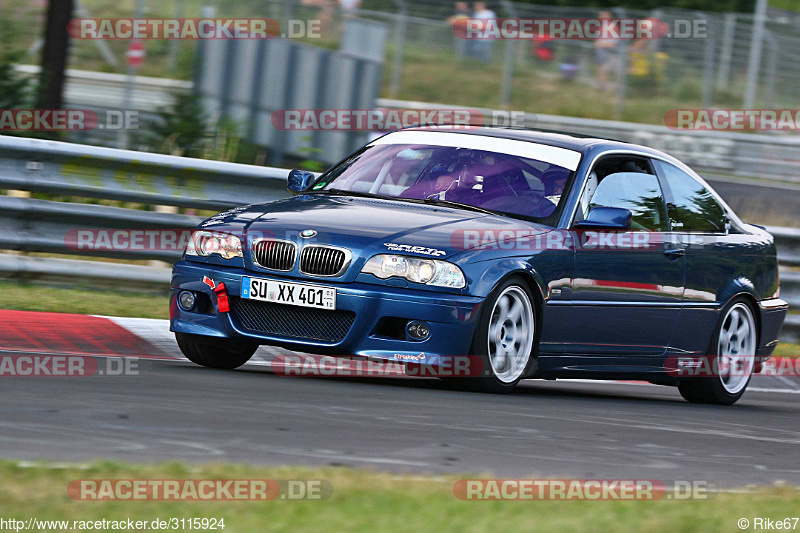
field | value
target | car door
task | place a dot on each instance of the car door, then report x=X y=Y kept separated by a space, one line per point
x=628 y=285
x=713 y=253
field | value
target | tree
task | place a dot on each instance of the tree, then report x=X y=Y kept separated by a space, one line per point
x=181 y=128
x=14 y=87
x=54 y=54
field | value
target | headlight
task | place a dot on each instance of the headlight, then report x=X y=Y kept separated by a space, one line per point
x=426 y=271
x=206 y=243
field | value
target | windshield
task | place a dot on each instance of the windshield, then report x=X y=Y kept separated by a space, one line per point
x=500 y=182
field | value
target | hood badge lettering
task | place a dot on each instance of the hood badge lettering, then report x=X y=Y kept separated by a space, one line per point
x=308 y=233
x=414 y=249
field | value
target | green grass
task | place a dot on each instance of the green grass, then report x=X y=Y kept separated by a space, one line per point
x=82 y=300
x=428 y=76
x=371 y=501
x=787 y=349
x=788 y=5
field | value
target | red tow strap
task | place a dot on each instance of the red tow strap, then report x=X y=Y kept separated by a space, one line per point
x=222 y=298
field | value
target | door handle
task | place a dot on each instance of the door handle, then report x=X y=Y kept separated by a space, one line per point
x=675 y=253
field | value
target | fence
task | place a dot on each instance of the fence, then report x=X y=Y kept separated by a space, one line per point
x=427 y=62
x=716 y=67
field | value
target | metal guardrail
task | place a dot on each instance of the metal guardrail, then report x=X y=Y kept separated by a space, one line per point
x=45 y=226
x=24 y=268
x=788 y=242
x=63 y=168
x=90 y=89
x=791 y=329
x=790 y=288
x=90 y=171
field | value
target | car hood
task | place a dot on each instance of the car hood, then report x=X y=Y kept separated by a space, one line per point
x=367 y=226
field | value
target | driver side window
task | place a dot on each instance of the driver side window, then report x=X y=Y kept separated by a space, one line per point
x=626 y=183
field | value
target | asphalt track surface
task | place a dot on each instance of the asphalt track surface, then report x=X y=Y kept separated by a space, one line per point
x=173 y=410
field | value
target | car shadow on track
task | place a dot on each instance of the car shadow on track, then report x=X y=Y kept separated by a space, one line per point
x=528 y=388
x=639 y=393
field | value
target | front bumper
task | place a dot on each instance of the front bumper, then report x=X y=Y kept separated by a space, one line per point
x=452 y=318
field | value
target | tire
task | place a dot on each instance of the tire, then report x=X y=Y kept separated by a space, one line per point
x=506 y=347
x=213 y=353
x=734 y=347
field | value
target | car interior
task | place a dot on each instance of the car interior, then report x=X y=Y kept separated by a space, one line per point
x=614 y=182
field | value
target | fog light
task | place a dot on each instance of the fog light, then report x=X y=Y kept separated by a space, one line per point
x=419 y=331
x=186 y=300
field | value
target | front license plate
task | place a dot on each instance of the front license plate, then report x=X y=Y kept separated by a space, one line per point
x=279 y=292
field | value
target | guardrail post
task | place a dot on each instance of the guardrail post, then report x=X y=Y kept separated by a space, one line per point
x=724 y=72
x=708 y=64
x=772 y=65
x=622 y=71
x=508 y=61
x=17 y=194
x=127 y=102
x=400 y=28
x=754 y=62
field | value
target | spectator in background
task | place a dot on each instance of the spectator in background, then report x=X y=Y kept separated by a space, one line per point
x=324 y=13
x=483 y=45
x=349 y=7
x=461 y=13
x=646 y=61
x=605 y=54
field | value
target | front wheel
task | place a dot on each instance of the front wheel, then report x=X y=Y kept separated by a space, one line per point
x=734 y=345
x=506 y=337
x=214 y=353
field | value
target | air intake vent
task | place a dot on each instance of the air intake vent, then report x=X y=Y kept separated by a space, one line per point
x=324 y=260
x=275 y=255
x=266 y=318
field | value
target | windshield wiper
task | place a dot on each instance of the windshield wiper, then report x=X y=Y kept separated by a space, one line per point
x=429 y=201
x=458 y=205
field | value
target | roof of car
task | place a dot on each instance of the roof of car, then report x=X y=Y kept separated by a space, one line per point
x=570 y=141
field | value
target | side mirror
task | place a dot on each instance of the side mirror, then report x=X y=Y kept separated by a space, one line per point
x=300 y=180
x=611 y=218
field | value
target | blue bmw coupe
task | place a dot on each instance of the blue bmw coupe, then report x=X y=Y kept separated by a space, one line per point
x=542 y=255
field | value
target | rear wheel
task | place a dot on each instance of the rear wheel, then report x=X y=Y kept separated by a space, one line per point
x=734 y=345
x=505 y=337
x=214 y=353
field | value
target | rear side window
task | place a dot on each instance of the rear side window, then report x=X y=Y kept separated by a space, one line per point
x=692 y=207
